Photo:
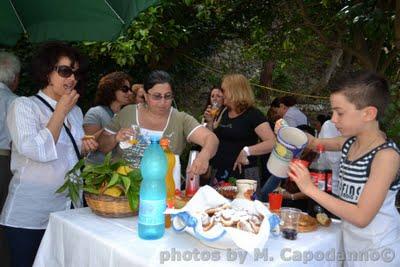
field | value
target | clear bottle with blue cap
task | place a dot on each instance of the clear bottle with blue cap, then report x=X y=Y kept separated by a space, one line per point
x=152 y=203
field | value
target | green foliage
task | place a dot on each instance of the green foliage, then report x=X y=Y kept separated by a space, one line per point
x=298 y=36
x=391 y=122
x=96 y=179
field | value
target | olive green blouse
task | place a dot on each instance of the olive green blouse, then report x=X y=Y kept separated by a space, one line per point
x=180 y=125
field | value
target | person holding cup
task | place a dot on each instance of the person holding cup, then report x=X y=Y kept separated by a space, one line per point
x=214 y=106
x=158 y=118
x=47 y=141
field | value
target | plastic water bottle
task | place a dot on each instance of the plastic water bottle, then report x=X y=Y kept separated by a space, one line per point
x=152 y=204
x=169 y=178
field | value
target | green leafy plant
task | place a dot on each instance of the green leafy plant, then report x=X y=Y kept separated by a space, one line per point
x=109 y=178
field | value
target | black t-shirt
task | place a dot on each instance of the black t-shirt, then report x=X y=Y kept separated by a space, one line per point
x=233 y=135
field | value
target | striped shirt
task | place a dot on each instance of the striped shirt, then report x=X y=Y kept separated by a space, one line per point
x=38 y=163
x=353 y=175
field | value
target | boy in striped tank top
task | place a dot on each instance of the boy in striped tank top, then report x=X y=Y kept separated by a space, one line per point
x=369 y=175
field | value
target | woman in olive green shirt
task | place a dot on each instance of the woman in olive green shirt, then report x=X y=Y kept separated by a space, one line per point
x=157 y=116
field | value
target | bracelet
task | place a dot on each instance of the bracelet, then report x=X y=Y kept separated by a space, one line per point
x=246 y=150
x=291 y=196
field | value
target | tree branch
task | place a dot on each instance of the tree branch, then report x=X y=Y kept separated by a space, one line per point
x=310 y=24
x=331 y=44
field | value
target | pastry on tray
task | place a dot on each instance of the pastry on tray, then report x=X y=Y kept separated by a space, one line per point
x=229 y=217
x=323 y=219
x=307 y=223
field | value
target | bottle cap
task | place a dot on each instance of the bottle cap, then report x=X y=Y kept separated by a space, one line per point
x=164 y=142
x=320 y=148
x=154 y=138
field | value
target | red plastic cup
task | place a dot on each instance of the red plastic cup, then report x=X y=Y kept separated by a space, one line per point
x=301 y=162
x=275 y=201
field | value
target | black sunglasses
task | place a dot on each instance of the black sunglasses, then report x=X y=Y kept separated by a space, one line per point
x=125 y=88
x=66 y=71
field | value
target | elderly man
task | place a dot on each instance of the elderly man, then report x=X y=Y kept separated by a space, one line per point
x=9 y=77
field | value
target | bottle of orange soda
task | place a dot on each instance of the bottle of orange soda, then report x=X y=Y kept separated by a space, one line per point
x=169 y=178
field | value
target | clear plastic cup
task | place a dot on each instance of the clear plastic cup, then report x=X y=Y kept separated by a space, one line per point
x=133 y=139
x=289 y=222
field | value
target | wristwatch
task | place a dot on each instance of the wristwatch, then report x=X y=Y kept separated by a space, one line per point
x=246 y=150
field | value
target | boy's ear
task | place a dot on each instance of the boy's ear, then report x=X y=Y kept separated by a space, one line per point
x=370 y=113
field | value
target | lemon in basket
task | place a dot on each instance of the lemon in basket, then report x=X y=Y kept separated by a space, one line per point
x=124 y=170
x=113 y=191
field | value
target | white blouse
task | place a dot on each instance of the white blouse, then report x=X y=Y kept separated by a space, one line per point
x=38 y=163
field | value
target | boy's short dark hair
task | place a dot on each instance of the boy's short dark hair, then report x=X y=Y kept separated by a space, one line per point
x=363 y=89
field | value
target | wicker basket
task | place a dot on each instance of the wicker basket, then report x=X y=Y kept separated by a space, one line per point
x=107 y=206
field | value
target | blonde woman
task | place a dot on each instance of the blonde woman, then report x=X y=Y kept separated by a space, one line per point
x=239 y=130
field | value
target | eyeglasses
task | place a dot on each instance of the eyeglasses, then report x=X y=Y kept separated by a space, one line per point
x=66 y=71
x=125 y=88
x=158 y=97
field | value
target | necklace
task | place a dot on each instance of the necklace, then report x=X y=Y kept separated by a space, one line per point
x=360 y=152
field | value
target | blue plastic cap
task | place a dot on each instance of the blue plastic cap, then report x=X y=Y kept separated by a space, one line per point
x=154 y=139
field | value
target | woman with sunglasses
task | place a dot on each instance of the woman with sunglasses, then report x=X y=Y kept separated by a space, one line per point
x=158 y=117
x=46 y=132
x=113 y=92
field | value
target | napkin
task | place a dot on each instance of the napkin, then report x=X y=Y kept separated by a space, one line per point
x=188 y=219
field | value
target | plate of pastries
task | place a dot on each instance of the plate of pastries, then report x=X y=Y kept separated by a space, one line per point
x=308 y=223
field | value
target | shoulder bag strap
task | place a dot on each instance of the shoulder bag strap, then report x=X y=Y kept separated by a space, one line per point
x=78 y=154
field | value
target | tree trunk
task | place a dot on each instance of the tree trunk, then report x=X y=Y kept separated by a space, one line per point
x=266 y=77
x=336 y=55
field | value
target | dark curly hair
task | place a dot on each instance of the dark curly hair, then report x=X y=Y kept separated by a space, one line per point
x=108 y=85
x=47 y=57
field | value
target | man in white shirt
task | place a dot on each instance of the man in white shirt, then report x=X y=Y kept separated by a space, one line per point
x=285 y=107
x=9 y=77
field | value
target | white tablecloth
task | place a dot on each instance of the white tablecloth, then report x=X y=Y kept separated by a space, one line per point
x=80 y=238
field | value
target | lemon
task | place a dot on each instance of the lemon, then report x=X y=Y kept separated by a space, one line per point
x=124 y=170
x=133 y=142
x=113 y=191
x=281 y=150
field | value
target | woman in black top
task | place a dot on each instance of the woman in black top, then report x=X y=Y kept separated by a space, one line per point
x=242 y=130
